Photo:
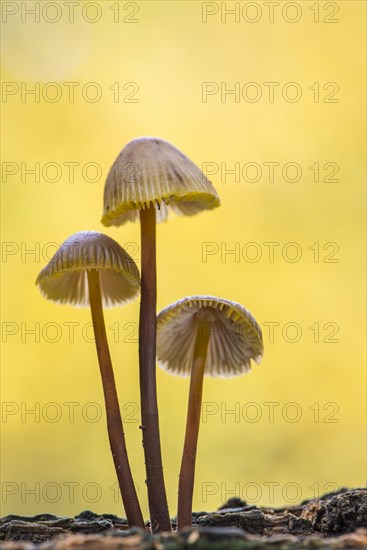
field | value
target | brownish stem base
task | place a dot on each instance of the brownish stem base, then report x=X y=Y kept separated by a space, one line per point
x=187 y=472
x=157 y=498
x=114 y=422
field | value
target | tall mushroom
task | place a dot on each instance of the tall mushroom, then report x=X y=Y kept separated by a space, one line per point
x=197 y=336
x=92 y=269
x=149 y=176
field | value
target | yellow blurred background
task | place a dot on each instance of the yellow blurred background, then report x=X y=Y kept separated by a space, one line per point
x=104 y=73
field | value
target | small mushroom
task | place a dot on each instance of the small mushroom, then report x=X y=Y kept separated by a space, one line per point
x=148 y=177
x=197 y=336
x=92 y=269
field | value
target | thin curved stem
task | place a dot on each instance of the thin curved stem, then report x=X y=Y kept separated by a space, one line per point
x=187 y=472
x=158 y=507
x=114 y=422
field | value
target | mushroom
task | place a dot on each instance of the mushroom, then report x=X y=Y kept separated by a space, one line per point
x=149 y=176
x=197 y=336
x=92 y=269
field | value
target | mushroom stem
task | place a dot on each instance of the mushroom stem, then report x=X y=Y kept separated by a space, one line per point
x=187 y=472
x=157 y=498
x=114 y=422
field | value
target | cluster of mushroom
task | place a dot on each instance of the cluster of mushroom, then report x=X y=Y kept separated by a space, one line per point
x=196 y=336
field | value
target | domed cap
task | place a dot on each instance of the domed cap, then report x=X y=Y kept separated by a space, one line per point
x=64 y=279
x=235 y=336
x=151 y=171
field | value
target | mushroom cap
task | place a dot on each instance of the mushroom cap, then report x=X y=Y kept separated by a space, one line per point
x=235 y=336
x=151 y=171
x=64 y=278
